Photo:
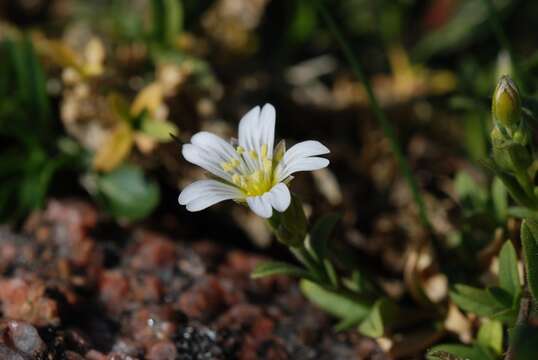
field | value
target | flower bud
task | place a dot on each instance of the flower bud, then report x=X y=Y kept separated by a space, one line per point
x=506 y=104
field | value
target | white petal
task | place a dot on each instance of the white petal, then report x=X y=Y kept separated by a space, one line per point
x=261 y=205
x=204 y=193
x=267 y=128
x=258 y=128
x=305 y=149
x=302 y=164
x=247 y=128
x=201 y=187
x=280 y=197
x=302 y=157
x=207 y=159
x=209 y=141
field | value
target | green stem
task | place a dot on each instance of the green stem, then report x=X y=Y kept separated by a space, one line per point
x=302 y=254
x=388 y=130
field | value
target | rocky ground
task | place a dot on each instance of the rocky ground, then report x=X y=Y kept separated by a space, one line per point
x=67 y=291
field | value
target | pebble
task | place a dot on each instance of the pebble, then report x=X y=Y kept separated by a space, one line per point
x=164 y=350
x=24 y=337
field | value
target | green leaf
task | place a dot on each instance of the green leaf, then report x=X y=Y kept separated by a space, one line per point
x=521 y=212
x=167 y=21
x=501 y=296
x=30 y=85
x=500 y=200
x=159 y=130
x=508 y=270
x=127 y=194
x=523 y=340
x=382 y=314
x=339 y=305
x=357 y=282
x=529 y=234
x=507 y=316
x=490 y=336
x=478 y=301
x=458 y=352
x=271 y=268
x=319 y=235
x=331 y=272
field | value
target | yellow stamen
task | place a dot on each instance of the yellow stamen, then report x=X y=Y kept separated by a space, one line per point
x=229 y=166
x=237 y=180
x=253 y=179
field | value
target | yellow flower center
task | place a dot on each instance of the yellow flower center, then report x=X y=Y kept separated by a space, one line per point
x=252 y=172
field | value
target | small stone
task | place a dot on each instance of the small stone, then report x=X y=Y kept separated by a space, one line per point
x=148 y=288
x=114 y=290
x=25 y=299
x=198 y=342
x=164 y=350
x=152 y=324
x=128 y=347
x=153 y=252
x=203 y=299
x=8 y=354
x=24 y=337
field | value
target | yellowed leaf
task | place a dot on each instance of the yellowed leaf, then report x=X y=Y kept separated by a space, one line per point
x=149 y=98
x=116 y=148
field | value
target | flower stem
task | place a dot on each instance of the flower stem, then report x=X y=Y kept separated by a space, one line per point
x=386 y=126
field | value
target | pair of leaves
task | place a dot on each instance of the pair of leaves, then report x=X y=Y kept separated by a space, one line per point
x=321 y=285
x=500 y=302
x=371 y=319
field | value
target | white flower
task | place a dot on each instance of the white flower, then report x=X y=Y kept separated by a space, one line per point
x=251 y=171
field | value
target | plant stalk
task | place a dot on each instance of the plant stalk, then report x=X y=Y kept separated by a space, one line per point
x=386 y=126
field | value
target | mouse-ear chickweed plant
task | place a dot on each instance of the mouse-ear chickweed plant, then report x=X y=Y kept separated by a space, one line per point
x=254 y=172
